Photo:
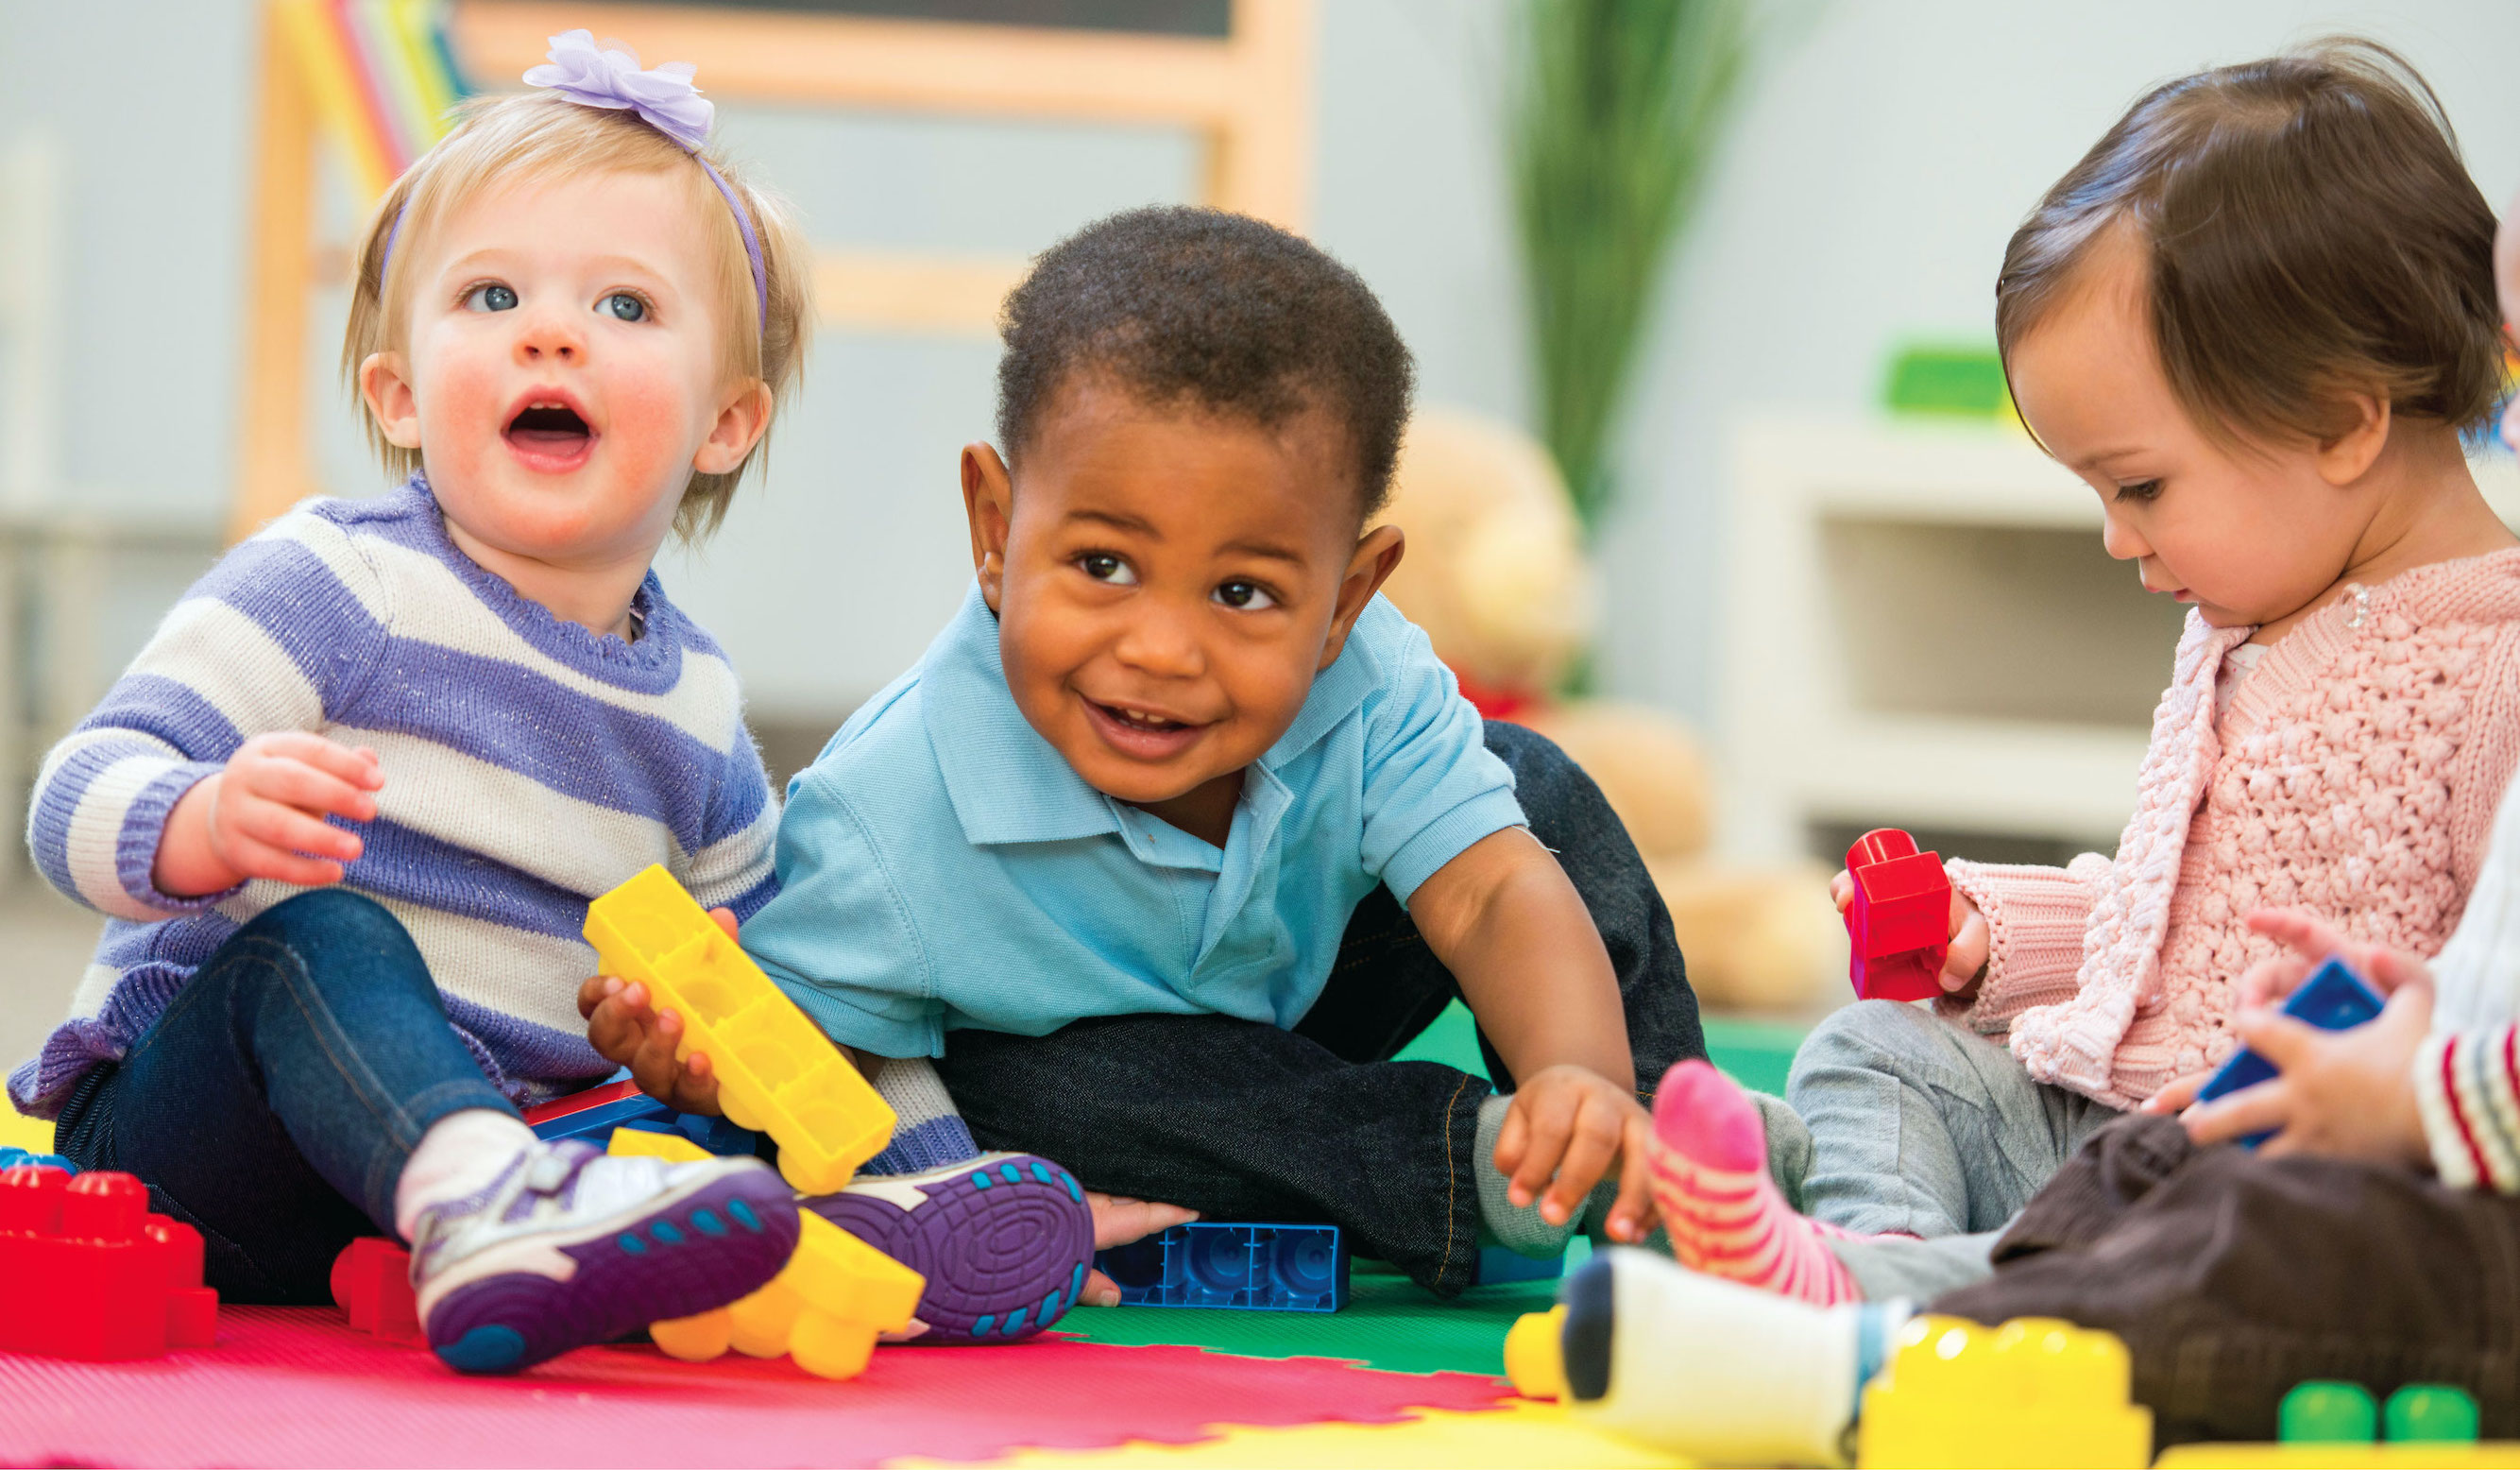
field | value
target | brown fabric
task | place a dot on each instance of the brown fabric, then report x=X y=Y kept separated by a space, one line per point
x=2233 y=1277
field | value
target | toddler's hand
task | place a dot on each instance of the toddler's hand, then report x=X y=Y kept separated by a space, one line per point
x=262 y=817
x=2345 y=1095
x=1120 y=1220
x=1566 y=1127
x=1964 y=963
x=624 y=1028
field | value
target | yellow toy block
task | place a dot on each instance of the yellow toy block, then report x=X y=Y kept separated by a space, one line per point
x=824 y=1310
x=2033 y=1392
x=776 y=1073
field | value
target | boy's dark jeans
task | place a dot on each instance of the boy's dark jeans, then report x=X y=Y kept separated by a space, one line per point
x=273 y=1104
x=2233 y=1277
x=1245 y=1121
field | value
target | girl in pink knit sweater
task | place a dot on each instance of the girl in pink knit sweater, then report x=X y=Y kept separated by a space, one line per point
x=2255 y=318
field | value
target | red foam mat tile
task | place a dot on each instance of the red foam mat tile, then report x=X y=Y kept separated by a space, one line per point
x=290 y=1387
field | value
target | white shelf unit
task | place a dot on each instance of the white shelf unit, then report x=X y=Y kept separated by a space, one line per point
x=1923 y=632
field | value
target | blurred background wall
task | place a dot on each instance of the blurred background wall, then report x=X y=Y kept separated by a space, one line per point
x=1881 y=154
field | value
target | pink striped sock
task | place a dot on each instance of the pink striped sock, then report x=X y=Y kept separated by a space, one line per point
x=1723 y=1213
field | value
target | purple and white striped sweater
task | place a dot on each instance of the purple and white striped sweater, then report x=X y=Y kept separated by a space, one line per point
x=531 y=766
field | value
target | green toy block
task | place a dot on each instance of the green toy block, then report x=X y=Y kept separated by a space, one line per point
x=1964 y=380
x=2431 y=1412
x=2327 y=1412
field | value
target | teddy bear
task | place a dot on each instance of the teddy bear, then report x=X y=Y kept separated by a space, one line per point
x=1496 y=574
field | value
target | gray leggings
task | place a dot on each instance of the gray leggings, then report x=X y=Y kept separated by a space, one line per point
x=1898 y=1123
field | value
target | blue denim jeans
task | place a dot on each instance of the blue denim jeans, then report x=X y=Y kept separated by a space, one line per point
x=274 y=1103
x=1243 y=1120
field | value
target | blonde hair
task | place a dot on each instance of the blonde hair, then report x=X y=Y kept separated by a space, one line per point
x=501 y=141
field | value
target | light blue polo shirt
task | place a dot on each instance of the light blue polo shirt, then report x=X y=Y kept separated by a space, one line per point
x=942 y=866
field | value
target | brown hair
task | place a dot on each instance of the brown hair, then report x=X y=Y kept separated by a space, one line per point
x=2310 y=232
x=526 y=137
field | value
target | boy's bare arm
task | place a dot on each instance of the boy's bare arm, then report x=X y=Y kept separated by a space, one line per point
x=1503 y=918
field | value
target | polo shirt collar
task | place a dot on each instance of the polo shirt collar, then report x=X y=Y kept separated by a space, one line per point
x=1008 y=785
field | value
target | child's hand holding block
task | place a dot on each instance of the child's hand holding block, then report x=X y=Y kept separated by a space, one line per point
x=1898 y=923
x=776 y=1073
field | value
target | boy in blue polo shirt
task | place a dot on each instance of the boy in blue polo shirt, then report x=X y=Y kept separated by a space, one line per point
x=1179 y=831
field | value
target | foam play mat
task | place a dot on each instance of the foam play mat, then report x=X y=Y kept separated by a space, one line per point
x=289 y=1386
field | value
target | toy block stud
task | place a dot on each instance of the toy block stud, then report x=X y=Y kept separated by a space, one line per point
x=2033 y=1393
x=2430 y=1414
x=371 y=1285
x=1898 y=924
x=2321 y=1412
x=776 y=1073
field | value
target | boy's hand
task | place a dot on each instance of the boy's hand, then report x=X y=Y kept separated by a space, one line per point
x=1120 y=1220
x=621 y=1025
x=262 y=817
x=2344 y=1095
x=1964 y=963
x=1566 y=1127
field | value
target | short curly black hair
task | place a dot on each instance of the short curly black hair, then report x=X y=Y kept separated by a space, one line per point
x=1193 y=306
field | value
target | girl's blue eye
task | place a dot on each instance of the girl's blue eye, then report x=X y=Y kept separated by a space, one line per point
x=1248 y=597
x=490 y=298
x=1104 y=566
x=625 y=306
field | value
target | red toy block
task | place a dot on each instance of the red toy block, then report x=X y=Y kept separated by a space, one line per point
x=372 y=1282
x=1899 y=925
x=88 y=1273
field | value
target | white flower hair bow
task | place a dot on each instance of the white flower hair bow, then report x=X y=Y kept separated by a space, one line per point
x=603 y=77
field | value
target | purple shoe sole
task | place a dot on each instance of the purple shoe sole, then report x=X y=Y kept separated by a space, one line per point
x=693 y=1254
x=1003 y=1240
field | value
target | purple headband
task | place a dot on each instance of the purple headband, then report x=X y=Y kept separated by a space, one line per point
x=664 y=98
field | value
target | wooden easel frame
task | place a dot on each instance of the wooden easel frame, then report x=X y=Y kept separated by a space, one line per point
x=1247 y=98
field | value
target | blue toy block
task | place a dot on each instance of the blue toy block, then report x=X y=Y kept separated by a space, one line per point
x=594 y=1114
x=12 y=1157
x=2333 y=999
x=1244 y=1267
x=719 y=1135
x=1497 y=1265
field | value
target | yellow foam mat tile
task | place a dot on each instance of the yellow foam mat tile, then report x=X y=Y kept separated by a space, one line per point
x=17 y=1130
x=1518 y=1432
x=2450 y=1456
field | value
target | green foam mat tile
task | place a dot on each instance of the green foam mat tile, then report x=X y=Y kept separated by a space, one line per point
x=1754 y=1053
x=1389 y=1322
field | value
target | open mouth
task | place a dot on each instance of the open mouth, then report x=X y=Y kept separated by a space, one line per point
x=550 y=435
x=1139 y=733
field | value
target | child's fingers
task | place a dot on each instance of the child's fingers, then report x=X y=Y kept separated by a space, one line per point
x=273 y=825
x=1841 y=891
x=1590 y=1151
x=2251 y=1109
x=695 y=1088
x=309 y=787
x=651 y=1065
x=1513 y=1136
x=2181 y=1091
x=594 y=992
x=1968 y=953
x=1100 y=1290
x=1632 y=1214
x=2283 y=1041
x=725 y=920
x=359 y=767
x=1549 y=1121
x=257 y=859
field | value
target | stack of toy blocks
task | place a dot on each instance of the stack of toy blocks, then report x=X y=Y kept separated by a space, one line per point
x=88 y=1273
x=1249 y=1268
x=777 y=1073
x=2329 y=1423
x=1898 y=923
x=2033 y=1392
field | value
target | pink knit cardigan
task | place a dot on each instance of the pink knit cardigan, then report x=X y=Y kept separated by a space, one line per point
x=2356 y=775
